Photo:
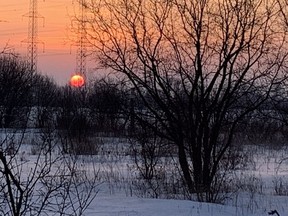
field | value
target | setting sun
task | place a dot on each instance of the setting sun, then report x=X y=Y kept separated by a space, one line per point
x=77 y=80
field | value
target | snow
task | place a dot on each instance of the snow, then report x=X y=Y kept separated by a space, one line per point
x=256 y=199
x=117 y=205
x=127 y=206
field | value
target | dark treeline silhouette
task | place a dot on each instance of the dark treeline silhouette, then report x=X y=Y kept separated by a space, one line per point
x=110 y=107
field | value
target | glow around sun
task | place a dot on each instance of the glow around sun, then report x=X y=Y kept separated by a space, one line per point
x=77 y=80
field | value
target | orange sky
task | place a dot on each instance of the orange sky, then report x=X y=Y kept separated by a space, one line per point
x=58 y=59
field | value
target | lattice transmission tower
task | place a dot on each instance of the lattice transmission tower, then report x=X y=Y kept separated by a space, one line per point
x=81 y=43
x=32 y=39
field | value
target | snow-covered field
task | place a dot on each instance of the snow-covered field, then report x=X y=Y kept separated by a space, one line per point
x=262 y=182
x=262 y=185
x=117 y=205
x=267 y=173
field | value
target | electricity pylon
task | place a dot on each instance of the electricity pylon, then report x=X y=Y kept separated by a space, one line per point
x=32 y=39
x=81 y=51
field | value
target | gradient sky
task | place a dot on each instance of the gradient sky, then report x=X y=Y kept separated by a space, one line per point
x=57 y=58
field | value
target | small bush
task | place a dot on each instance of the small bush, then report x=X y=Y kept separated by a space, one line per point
x=280 y=186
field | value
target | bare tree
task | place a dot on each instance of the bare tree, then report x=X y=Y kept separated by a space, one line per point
x=106 y=102
x=44 y=183
x=15 y=91
x=7 y=50
x=45 y=101
x=199 y=67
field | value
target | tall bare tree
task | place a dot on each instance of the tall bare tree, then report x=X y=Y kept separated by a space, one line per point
x=199 y=67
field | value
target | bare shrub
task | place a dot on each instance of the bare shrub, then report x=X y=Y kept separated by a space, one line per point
x=148 y=150
x=280 y=186
x=85 y=146
x=45 y=183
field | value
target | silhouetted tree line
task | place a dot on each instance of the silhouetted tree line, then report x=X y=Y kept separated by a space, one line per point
x=28 y=98
x=106 y=106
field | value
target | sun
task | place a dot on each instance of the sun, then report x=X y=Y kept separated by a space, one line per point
x=77 y=80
